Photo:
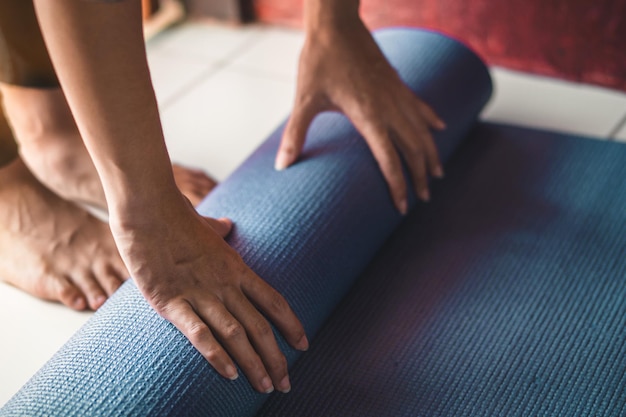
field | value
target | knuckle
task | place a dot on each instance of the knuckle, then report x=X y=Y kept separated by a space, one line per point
x=164 y=308
x=197 y=331
x=278 y=303
x=233 y=331
x=213 y=355
x=262 y=328
x=415 y=148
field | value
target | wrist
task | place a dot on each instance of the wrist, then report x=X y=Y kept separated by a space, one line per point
x=139 y=198
x=324 y=16
x=140 y=219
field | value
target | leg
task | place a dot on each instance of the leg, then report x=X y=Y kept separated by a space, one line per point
x=52 y=148
x=50 y=247
x=50 y=144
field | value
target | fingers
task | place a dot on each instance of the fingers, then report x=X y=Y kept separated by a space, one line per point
x=421 y=118
x=183 y=316
x=405 y=125
x=377 y=137
x=420 y=154
x=262 y=338
x=429 y=114
x=234 y=337
x=242 y=331
x=294 y=135
x=276 y=308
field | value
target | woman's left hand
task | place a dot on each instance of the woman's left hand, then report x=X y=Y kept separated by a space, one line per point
x=342 y=69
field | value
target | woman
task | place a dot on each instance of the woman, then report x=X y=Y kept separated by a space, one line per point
x=179 y=259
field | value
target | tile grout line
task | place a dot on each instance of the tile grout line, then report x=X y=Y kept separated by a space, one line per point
x=612 y=136
x=217 y=66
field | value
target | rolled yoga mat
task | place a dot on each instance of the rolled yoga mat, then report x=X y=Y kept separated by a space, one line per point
x=309 y=231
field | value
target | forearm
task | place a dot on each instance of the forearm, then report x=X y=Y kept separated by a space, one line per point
x=99 y=53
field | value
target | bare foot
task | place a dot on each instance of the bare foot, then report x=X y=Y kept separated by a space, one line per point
x=52 y=148
x=50 y=247
x=193 y=183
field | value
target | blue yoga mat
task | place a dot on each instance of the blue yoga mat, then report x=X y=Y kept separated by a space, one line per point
x=505 y=296
x=309 y=231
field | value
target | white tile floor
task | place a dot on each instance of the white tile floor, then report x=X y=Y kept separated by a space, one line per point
x=620 y=135
x=221 y=91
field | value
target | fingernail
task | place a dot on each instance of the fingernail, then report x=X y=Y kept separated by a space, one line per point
x=266 y=384
x=425 y=195
x=303 y=344
x=232 y=373
x=100 y=300
x=439 y=172
x=284 y=386
x=441 y=125
x=403 y=207
x=282 y=162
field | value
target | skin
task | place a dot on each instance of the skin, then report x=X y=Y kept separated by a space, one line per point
x=191 y=276
x=59 y=252
x=52 y=148
x=342 y=69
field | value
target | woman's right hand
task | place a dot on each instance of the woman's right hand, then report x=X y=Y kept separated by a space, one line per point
x=179 y=260
x=194 y=279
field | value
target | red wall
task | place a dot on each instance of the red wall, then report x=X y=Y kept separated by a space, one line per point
x=580 y=40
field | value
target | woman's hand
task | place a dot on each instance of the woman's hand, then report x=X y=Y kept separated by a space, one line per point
x=195 y=280
x=179 y=259
x=341 y=68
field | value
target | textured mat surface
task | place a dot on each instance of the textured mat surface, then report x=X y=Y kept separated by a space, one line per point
x=309 y=231
x=506 y=296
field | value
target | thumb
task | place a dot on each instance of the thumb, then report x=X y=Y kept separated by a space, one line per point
x=221 y=226
x=294 y=136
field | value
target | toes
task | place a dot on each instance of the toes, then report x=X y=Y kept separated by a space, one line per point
x=67 y=293
x=195 y=196
x=108 y=278
x=88 y=284
x=53 y=287
x=194 y=184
